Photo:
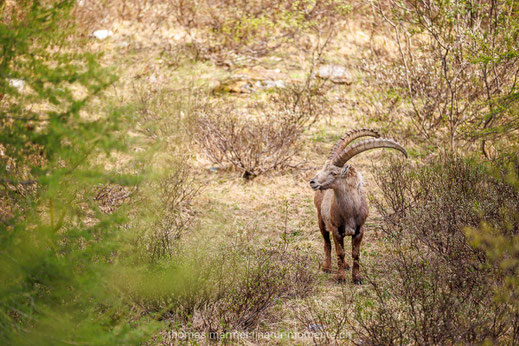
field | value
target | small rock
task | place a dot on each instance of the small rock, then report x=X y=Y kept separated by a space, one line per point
x=214 y=169
x=17 y=83
x=244 y=85
x=274 y=84
x=123 y=44
x=102 y=34
x=335 y=73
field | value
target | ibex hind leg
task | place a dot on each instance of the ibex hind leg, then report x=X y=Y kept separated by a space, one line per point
x=327 y=265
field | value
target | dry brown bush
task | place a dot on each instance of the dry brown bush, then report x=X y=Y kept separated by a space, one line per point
x=259 y=143
x=432 y=286
x=91 y=14
x=225 y=26
x=254 y=146
x=164 y=111
x=270 y=276
x=163 y=200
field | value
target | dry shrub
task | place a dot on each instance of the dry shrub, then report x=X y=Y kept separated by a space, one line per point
x=254 y=146
x=256 y=27
x=158 y=208
x=161 y=207
x=252 y=27
x=163 y=112
x=111 y=197
x=257 y=144
x=456 y=69
x=167 y=215
x=230 y=288
x=266 y=277
x=328 y=320
x=306 y=99
x=433 y=287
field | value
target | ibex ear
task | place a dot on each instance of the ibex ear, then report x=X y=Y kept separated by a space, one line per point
x=345 y=170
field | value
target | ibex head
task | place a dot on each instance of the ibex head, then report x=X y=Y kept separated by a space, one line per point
x=335 y=168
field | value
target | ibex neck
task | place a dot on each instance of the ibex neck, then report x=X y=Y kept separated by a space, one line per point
x=344 y=191
x=341 y=190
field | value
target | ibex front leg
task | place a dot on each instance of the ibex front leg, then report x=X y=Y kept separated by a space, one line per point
x=327 y=266
x=338 y=239
x=356 y=240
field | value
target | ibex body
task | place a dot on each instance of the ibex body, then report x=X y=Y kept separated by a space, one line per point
x=340 y=199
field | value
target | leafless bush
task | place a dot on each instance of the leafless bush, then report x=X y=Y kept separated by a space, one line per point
x=328 y=323
x=90 y=14
x=306 y=99
x=254 y=146
x=433 y=287
x=110 y=197
x=259 y=143
x=162 y=109
x=268 y=137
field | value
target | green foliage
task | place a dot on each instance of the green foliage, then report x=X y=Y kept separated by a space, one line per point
x=457 y=70
x=43 y=117
x=500 y=244
x=55 y=243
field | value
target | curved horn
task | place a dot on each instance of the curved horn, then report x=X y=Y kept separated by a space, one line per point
x=362 y=146
x=349 y=137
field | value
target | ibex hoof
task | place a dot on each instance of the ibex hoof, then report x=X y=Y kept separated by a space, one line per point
x=357 y=281
x=327 y=269
x=340 y=278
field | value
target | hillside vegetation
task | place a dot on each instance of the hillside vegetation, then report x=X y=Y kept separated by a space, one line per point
x=155 y=158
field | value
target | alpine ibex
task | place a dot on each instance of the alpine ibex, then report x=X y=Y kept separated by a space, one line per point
x=340 y=200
